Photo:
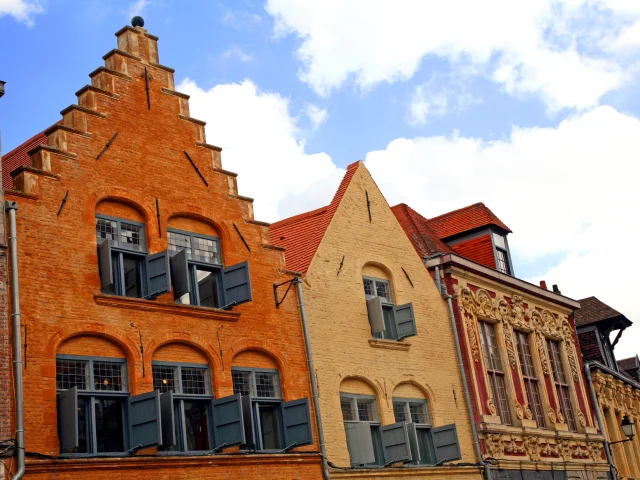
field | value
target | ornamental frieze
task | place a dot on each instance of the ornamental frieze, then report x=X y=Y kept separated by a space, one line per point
x=498 y=445
x=616 y=394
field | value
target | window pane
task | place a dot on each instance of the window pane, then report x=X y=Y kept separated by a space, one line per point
x=206 y=250
x=368 y=287
x=499 y=241
x=398 y=412
x=269 y=427
x=503 y=262
x=377 y=445
x=346 y=405
x=196 y=425
x=107 y=376
x=164 y=378
x=83 y=407
x=425 y=447
x=71 y=373
x=131 y=236
x=241 y=382
x=367 y=410
x=132 y=276
x=500 y=397
x=194 y=381
x=267 y=385
x=382 y=290
x=389 y=323
x=109 y=421
x=418 y=412
x=208 y=288
x=106 y=229
x=178 y=242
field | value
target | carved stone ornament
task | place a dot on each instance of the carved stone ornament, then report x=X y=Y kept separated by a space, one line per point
x=518 y=408
x=542 y=352
x=551 y=414
x=513 y=448
x=560 y=416
x=492 y=407
x=532 y=447
x=493 y=445
x=581 y=419
x=550 y=451
x=473 y=339
x=485 y=305
x=528 y=413
x=595 y=451
x=565 y=450
x=579 y=452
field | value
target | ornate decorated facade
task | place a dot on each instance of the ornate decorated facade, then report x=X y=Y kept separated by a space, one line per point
x=520 y=353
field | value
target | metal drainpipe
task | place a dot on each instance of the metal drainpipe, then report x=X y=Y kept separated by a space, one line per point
x=476 y=442
x=594 y=400
x=11 y=207
x=312 y=376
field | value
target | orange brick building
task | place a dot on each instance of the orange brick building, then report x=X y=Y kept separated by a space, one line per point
x=152 y=342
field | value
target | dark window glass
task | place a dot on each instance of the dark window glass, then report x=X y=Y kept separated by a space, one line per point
x=369 y=287
x=367 y=410
x=398 y=412
x=194 y=381
x=530 y=378
x=493 y=364
x=503 y=261
x=425 y=446
x=208 y=288
x=107 y=376
x=71 y=373
x=164 y=378
x=241 y=382
x=562 y=385
x=132 y=276
x=107 y=230
x=83 y=426
x=346 y=405
x=109 y=425
x=196 y=425
x=267 y=385
x=269 y=426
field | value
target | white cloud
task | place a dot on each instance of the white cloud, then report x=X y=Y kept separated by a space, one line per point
x=261 y=141
x=241 y=20
x=569 y=191
x=317 y=115
x=432 y=100
x=21 y=10
x=550 y=48
x=137 y=7
x=236 y=52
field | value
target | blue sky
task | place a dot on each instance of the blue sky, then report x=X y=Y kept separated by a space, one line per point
x=529 y=106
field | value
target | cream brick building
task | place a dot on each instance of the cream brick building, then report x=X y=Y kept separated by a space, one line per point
x=369 y=379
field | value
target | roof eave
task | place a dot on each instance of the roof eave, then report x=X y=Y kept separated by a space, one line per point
x=465 y=264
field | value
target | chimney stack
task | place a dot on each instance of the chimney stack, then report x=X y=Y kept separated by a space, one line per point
x=543 y=284
x=556 y=289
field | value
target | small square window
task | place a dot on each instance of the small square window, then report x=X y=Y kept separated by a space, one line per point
x=366 y=410
x=107 y=376
x=164 y=378
x=131 y=236
x=241 y=382
x=72 y=373
x=194 y=381
x=418 y=411
x=107 y=230
x=369 y=287
x=266 y=385
x=346 y=405
x=398 y=412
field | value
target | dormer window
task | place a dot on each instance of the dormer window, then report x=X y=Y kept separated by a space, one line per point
x=503 y=263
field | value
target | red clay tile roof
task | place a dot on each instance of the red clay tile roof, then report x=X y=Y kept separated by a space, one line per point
x=628 y=363
x=18 y=157
x=423 y=238
x=478 y=249
x=593 y=310
x=301 y=235
x=463 y=220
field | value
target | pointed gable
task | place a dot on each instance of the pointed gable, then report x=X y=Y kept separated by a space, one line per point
x=301 y=234
x=423 y=238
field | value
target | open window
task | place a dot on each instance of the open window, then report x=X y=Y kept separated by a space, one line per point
x=362 y=428
x=269 y=422
x=198 y=275
x=388 y=321
x=125 y=268
x=96 y=414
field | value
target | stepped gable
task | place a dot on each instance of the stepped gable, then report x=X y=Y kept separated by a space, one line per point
x=131 y=91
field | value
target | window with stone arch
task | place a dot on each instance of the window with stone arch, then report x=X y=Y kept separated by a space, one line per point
x=387 y=319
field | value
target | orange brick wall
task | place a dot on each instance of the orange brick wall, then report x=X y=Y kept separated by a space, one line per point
x=59 y=280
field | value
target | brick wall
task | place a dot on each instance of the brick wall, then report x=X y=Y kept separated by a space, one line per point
x=346 y=360
x=59 y=280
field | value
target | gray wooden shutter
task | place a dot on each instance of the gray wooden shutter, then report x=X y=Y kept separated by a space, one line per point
x=247 y=418
x=395 y=443
x=228 y=421
x=359 y=443
x=167 y=414
x=445 y=443
x=68 y=420
x=180 y=274
x=145 y=426
x=405 y=320
x=236 y=283
x=412 y=433
x=376 y=317
x=157 y=271
x=296 y=418
x=105 y=265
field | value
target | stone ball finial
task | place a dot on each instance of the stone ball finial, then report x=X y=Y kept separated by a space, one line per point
x=137 y=21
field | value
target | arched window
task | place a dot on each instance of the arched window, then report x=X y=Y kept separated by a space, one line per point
x=126 y=269
x=197 y=272
x=270 y=423
x=387 y=320
x=96 y=414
